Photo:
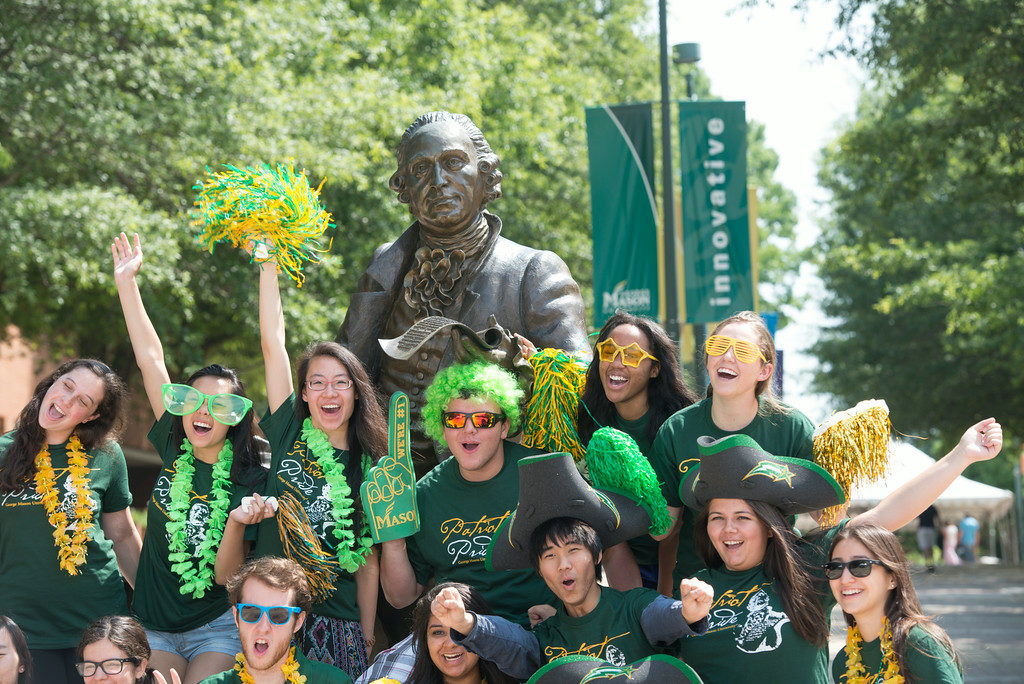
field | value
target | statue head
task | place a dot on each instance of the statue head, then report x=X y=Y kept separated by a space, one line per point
x=447 y=173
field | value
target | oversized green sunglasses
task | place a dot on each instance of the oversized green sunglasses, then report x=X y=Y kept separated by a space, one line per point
x=182 y=400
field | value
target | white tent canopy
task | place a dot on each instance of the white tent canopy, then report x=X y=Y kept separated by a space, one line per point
x=905 y=461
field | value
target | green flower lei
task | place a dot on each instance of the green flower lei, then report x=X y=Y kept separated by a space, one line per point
x=352 y=552
x=196 y=570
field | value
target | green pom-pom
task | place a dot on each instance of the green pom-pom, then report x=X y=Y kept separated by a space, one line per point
x=615 y=462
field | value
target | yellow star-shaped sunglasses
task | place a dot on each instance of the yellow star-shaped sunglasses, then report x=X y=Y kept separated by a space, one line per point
x=631 y=354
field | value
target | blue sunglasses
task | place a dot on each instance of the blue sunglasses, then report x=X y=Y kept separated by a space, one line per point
x=278 y=615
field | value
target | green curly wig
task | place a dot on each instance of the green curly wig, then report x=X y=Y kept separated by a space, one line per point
x=479 y=381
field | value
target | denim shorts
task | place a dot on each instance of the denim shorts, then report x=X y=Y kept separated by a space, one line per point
x=220 y=635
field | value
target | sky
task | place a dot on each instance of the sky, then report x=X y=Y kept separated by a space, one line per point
x=769 y=57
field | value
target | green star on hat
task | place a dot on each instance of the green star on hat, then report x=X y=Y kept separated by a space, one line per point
x=736 y=467
x=578 y=669
x=550 y=486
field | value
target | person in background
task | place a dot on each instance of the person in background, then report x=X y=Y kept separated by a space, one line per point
x=928 y=535
x=970 y=540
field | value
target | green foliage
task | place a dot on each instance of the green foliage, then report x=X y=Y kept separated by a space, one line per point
x=111 y=110
x=923 y=252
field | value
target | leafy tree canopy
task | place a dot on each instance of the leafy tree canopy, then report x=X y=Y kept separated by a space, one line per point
x=111 y=110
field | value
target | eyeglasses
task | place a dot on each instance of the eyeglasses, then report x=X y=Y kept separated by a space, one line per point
x=278 y=615
x=480 y=419
x=112 y=666
x=858 y=568
x=319 y=385
x=631 y=354
x=183 y=400
x=746 y=352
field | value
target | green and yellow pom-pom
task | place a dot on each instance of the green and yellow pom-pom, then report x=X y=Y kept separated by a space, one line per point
x=615 y=462
x=550 y=422
x=275 y=208
x=853 y=446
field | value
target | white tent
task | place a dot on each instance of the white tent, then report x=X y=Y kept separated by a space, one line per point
x=985 y=502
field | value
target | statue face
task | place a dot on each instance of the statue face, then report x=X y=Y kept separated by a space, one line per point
x=446 y=190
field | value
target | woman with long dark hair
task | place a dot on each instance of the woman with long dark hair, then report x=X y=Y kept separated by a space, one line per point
x=323 y=441
x=65 y=528
x=204 y=433
x=889 y=635
x=633 y=384
x=770 y=618
x=439 y=660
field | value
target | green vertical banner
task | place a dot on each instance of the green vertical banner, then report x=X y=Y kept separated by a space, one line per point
x=716 y=234
x=620 y=142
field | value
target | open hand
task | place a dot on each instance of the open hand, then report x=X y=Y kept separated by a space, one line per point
x=526 y=347
x=982 y=441
x=697 y=597
x=127 y=258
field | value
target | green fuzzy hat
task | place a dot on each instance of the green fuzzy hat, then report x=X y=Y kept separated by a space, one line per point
x=478 y=381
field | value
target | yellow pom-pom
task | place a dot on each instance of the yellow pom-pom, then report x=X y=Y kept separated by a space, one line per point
x=853 y=446
x=550 y=422
x=274 y=208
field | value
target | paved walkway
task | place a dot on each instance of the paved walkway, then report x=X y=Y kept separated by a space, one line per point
x=982 y=609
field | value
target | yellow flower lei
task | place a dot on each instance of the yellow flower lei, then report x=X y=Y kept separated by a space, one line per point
x=70 y=547
x=290 y=669
x=855 y=672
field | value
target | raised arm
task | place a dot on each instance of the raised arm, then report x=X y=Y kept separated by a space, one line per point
x=149 y=353
x=275 y=355
x=981 y=442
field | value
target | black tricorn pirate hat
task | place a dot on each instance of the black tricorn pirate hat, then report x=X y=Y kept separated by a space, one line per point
x=656 y=669
x=736 y=467
x=550 y=486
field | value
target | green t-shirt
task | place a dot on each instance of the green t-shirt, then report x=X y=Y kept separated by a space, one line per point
x=52 y=607
x=611 y=631
x=315 y=673
x=675 y=451
x=457 y=519
x=158 y=602
x=927 y=661
x=295 y=471
x=644 y=548
x=750 y=637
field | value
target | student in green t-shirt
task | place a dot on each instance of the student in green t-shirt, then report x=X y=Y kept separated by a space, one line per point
x=740 y=359
x=59 y=470
x=205 y=436
x=888 y=632
x=470 y=408
x=271 y=601
x=591 y=620
x=323 y=440
x=634 y=384
x=770 y=619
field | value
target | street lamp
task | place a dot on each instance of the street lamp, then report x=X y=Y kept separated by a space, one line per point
x=668 y=213
x=687 y=53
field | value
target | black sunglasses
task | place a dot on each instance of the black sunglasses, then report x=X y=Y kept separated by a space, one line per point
x=858 y=568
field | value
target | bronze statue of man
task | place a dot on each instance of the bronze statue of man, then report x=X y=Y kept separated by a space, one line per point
x=453 y=262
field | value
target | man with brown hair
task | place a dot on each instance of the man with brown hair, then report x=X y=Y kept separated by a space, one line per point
x=271 y=598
